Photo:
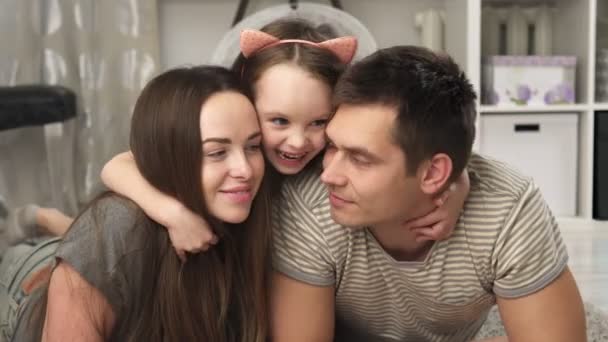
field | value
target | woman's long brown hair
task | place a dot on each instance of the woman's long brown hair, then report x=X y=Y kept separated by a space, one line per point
x=218 y=295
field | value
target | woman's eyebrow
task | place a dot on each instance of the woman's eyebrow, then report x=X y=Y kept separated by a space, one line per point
x=254 y=135
x=228 y=141
x=218 y=140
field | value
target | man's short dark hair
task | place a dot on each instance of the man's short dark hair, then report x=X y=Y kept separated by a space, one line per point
x=435 y=101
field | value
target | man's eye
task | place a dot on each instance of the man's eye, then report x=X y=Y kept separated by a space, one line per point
x=360 y=161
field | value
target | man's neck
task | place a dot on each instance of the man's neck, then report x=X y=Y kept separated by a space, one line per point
x=400 y=242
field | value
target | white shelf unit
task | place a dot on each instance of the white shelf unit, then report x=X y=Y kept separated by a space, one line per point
x=488 y=109
x=574 y=33
x=600 y=106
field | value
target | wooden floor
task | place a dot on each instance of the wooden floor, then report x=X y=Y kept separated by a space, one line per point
x=587 y=244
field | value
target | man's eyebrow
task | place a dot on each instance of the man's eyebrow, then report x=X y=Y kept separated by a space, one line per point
x=355 y=150
x=362 y=151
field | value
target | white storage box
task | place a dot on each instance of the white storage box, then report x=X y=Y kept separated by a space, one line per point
x=528 y=80
x=543 y=146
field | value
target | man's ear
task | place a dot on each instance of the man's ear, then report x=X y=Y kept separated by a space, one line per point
x=435 y=173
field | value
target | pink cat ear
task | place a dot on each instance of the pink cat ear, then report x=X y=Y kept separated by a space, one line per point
x=253 y=40
x=344 y=48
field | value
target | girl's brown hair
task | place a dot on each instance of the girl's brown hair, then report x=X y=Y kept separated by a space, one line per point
x=219 y=295
x=320 y=63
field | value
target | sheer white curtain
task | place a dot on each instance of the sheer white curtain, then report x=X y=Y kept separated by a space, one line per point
x=103 y=50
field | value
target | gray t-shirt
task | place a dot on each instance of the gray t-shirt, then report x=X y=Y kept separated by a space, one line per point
x=105 y=247
x=506 y=243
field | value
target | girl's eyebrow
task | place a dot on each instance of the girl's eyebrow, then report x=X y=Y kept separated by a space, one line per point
x=268 y=113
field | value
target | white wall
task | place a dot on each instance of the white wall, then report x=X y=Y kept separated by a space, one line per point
x=190 y=29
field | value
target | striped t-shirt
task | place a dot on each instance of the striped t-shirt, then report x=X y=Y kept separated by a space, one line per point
x=506 y=244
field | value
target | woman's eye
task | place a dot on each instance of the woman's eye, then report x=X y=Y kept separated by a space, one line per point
x=254 y=147
x=216 y=154
x=279 y=121
x=319 y=123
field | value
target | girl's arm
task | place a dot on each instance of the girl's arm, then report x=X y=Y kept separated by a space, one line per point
x=187 y=230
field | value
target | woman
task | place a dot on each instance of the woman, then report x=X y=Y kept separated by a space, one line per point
x=195 y=137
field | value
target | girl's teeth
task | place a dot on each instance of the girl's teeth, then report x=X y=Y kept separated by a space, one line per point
x=291 y=156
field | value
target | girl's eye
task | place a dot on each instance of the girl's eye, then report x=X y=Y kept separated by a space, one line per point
x=279 y=121
x=319 y=123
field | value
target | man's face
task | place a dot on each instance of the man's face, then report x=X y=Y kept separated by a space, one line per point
x=365 y=169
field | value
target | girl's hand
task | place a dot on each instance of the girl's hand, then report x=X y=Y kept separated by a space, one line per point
x=188 y=232
x=440 y=223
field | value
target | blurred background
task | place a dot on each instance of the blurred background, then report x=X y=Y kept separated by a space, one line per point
x=70 y=71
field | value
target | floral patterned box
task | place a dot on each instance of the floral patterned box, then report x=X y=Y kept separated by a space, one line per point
x=528 y=80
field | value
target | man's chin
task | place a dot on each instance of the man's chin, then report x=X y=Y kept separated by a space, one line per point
x=345 y=220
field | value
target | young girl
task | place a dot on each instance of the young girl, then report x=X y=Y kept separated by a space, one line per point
x=292 y=67
x=195 y=136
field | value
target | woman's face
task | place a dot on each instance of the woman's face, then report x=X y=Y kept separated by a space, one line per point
x=293 y=107
x=233 y=165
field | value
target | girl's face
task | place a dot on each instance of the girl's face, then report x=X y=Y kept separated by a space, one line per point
x=233 y=165
x=293 y=107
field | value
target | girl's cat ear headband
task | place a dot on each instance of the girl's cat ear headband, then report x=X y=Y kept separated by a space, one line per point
x=253 y=41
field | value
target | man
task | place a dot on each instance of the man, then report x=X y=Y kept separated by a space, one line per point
x=403 y=131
